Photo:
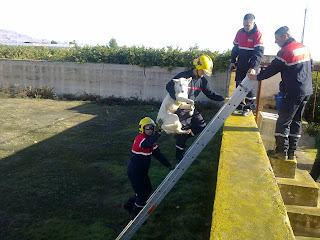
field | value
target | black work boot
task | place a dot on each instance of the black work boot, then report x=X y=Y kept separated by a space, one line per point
x=135 y=211
x=179 y=155
x=278 y=155
x=245 y=112
x=237 y=111
x=128 y=206
x=292 y=155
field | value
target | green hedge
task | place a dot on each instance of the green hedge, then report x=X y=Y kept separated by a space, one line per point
x=145 y=57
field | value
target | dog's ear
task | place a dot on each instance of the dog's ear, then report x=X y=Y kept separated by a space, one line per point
x=175 y=80
x=189 y=79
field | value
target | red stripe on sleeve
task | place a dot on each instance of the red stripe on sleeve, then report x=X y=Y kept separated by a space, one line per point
x=195 y=88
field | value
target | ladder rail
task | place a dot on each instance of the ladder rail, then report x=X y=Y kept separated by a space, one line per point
x=191 y=154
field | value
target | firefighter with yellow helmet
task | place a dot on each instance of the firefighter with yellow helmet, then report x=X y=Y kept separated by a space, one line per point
x=204 y=63
x=201 y=66
x=143 y=148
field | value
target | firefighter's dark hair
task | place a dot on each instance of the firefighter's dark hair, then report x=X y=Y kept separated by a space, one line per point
x=249 y=16
x=283 y=30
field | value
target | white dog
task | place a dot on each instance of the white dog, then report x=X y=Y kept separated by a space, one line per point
x=167 y=119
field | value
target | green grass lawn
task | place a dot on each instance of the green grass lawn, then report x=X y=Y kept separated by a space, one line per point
x=63 y=173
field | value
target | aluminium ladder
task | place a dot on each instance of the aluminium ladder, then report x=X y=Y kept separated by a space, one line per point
x=194 y=150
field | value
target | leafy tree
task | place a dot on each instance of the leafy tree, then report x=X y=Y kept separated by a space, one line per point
x=113 y=43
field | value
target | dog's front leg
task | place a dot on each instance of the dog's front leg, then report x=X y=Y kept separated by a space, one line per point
x=185 y=100
x=187 y=106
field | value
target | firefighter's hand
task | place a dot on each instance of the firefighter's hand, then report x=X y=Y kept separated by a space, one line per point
x=232 y=66
x=252 y=76
x=226 y=99
x=159 y=131
x=251 y=71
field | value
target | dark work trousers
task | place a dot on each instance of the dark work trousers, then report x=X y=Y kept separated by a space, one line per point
x=195 y=122
x=288 y=126
x=142 y=186
x=250 y=99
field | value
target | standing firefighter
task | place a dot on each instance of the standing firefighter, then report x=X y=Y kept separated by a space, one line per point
x=248 y=47
x=294 y=63
x=143 y=148
x=202 y=66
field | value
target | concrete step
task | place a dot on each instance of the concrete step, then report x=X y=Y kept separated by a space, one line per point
x=305 y=221
x=301 y=190
x=283 y=168
x=306 y=238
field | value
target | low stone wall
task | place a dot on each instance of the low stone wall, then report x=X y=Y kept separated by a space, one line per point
x=98 y=79
x=248 y=204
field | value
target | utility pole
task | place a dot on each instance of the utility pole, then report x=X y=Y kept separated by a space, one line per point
x=304 y=23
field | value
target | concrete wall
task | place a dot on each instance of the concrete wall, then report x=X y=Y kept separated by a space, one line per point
x=270 y=86
x=100 y=79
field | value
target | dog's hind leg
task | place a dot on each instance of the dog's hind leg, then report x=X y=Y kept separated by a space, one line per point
x=183 y=131
x=180 y=131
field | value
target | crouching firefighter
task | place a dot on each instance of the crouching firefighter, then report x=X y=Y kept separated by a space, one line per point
x=143 y=148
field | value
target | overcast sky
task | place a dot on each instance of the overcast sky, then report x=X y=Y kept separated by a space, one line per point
x=179 y=23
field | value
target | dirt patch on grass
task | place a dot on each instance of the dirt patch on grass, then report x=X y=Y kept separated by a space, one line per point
x=26 y=122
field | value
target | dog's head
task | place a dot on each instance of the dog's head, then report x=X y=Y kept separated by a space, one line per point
x=181 y=85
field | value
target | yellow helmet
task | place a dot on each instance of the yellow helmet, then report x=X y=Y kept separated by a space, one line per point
x=145 y=121
x=204 y=63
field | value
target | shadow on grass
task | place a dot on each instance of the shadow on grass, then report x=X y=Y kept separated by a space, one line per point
x=72 y=185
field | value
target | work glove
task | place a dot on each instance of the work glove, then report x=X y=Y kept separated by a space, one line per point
x=226 y=99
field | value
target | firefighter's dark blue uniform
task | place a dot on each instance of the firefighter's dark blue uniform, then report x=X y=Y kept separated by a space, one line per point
x=195 y=122
x=249 y=49
x=294 y=63
x=143 y=148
